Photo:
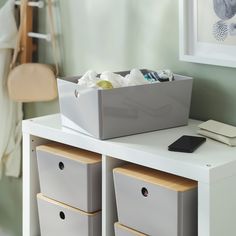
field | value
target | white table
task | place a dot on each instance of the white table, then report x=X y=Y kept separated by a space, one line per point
x=213 y=165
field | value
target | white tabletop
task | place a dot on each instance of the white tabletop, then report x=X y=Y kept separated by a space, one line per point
x=210 y=162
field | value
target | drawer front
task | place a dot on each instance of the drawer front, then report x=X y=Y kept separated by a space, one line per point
x=146 y=207
x=71 y=182
x=121 y=230
x=60 y=220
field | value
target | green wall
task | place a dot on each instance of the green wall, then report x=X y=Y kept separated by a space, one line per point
x=118 y=35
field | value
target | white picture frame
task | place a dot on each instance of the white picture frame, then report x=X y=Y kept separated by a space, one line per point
x=193 y=50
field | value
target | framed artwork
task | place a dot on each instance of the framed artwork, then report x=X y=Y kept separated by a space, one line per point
x=207 y=31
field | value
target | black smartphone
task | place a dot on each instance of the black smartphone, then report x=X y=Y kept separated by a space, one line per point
x=186 y=144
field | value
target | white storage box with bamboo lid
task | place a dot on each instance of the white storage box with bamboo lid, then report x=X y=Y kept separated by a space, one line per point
x=57 y=219
x=121 y=230
x=155 y=202
x=70 y=175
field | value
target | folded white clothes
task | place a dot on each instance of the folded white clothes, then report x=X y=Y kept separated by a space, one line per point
x=88 y=80
x=135 y=78
x=166 y=74
x=116 y=80
x=91 y=80
x=219 y=131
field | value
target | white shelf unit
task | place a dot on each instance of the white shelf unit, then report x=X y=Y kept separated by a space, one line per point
x=213 y=165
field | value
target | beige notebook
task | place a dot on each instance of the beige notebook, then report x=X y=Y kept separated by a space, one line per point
x=219 y=131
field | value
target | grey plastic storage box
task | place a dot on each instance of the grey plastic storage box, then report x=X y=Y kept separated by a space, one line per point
x=121 y=230
x=57 y=219
x=155 y=202
x=70 y=175
x=117 y=112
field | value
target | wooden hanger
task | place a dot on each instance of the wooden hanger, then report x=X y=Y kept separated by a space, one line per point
x=27 y=46
x=26 y=41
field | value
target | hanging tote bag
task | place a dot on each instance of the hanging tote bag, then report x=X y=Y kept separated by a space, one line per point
x=32 y=82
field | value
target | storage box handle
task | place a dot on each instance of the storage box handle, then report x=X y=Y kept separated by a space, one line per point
x=62 y=215
x=144 y=192
x=76 y=93
x=61 y=165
